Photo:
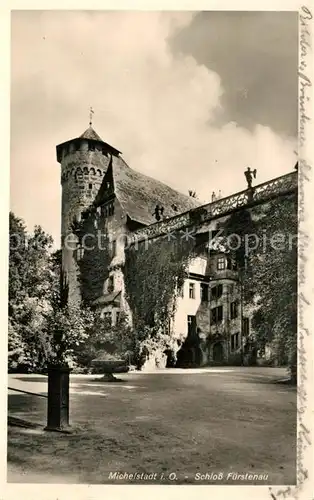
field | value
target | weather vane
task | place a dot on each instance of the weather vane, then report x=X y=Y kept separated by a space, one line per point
x=91 y=112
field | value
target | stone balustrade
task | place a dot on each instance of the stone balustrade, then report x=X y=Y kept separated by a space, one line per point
x=279 y=186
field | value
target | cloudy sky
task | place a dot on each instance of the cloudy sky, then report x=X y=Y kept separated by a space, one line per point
x=189 y=98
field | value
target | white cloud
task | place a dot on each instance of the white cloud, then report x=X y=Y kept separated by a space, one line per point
x=152 y=106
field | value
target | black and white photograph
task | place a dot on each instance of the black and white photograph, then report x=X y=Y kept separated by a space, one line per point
x=154 y=241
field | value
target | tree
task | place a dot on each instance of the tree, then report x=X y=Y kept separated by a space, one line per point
x=31 y=283
x=275 y=282
x=269 y=273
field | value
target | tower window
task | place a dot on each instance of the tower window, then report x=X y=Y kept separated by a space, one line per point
x=110 y=209
x=233 y=310
x=192 y=291
x=113 y=247
x=110 y=287
x=221 y=263
x=80 y=252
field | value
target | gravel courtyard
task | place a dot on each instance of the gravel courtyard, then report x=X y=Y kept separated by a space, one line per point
x=214 y=426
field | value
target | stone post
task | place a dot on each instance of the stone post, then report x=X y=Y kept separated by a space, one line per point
x=58 y=399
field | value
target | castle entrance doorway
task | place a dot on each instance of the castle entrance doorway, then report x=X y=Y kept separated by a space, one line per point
x=218 y=352
x=190 y=354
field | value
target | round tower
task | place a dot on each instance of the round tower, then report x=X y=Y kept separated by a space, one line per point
x=84 y=161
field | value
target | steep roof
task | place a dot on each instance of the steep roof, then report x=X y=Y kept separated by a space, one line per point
x=139 y=194
x=91 y=134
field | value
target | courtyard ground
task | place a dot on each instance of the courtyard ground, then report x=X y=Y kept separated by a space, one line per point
x=184 y=423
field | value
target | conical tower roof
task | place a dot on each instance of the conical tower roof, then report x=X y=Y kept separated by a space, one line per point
x=91 y=135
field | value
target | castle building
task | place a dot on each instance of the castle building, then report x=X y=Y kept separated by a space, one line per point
x=209 y=321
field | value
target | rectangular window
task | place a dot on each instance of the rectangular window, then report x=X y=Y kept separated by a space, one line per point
x=213 y=319
x=204 y=292
x=110 y=209
x=234 y=341
x=192 y=291
x=233 y=310
x=117 y=317
x=90 y=186
x=108 y=317
x=181 y=292
x=219 y=313
x=110 y=287
x=221 y=263
x=80 y=252
x=216 y=292
x=216 y=315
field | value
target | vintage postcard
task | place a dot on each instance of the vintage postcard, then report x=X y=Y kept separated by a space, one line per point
x=160 y=253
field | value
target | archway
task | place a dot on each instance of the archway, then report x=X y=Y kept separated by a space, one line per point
x=218 y=352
